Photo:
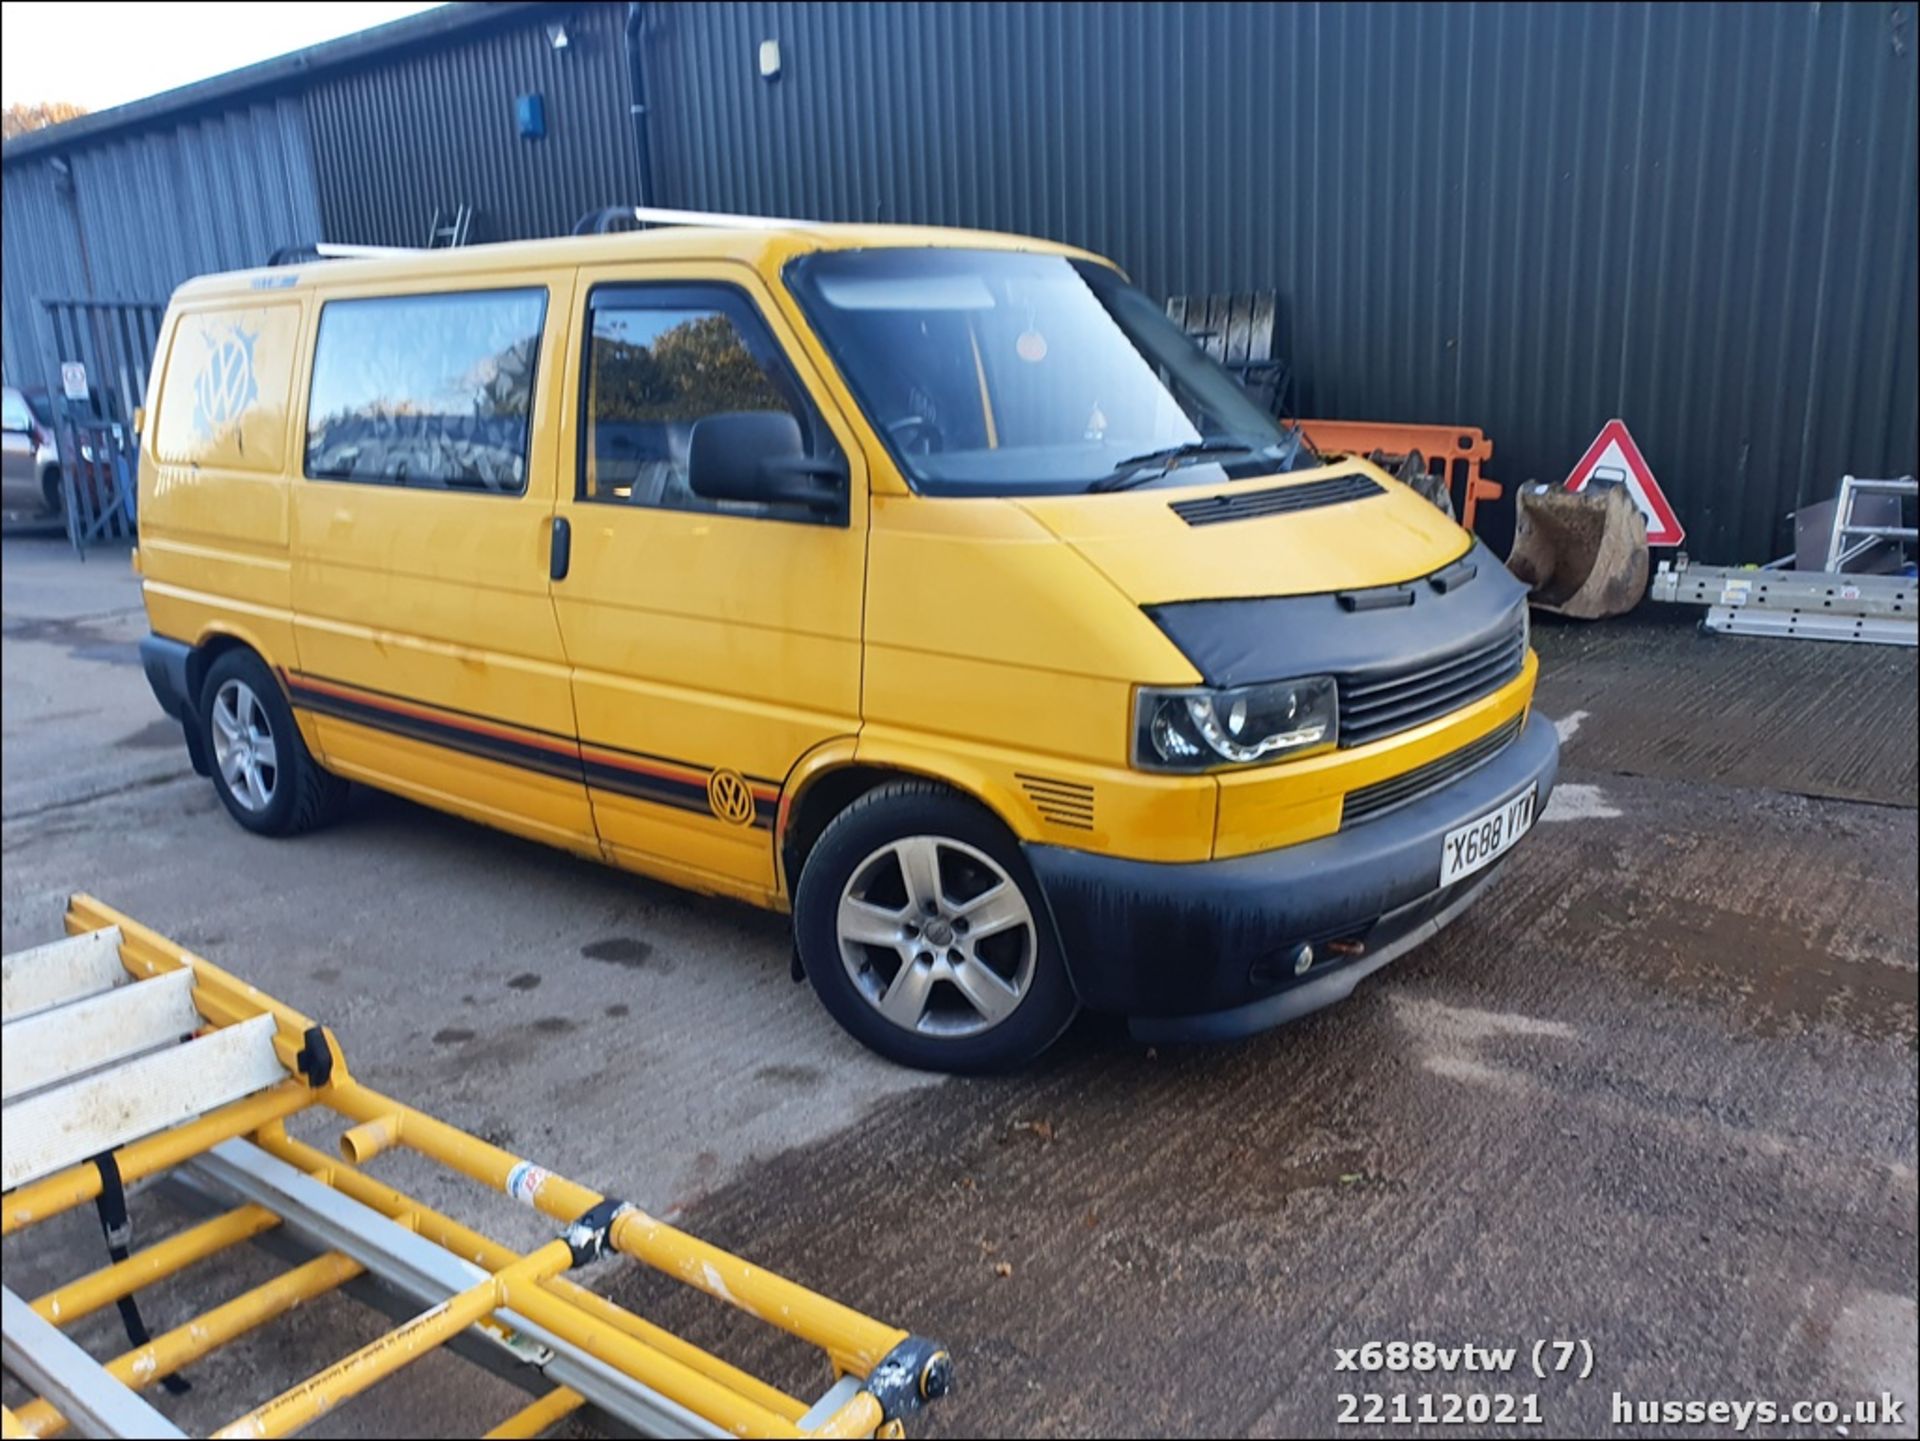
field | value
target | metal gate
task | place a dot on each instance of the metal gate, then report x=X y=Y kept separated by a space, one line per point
x=113 y=342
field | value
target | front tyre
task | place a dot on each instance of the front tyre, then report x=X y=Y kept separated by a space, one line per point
x=923 y=931
x=266 y=777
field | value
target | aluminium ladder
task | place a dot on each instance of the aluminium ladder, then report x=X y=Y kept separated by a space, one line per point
x=1864 y=537
x=1802 y=604
x=1832 y=604
x=127 y=1057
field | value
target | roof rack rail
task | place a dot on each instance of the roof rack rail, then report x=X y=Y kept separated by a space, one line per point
x=614 y=218
x=326 y=250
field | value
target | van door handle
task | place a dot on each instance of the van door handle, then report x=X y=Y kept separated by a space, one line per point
x=561 y=554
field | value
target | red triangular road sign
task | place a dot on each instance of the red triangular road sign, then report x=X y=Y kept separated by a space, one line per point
x=1614 y=456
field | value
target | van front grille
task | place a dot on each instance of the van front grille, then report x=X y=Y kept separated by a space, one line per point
x=1279 y=500
x=1060 y=803
x=1384 y=701
x=1382 y=796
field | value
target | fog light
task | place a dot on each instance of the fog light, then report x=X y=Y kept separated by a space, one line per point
x=1303 y=962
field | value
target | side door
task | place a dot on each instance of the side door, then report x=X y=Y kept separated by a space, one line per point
x=429 y=654
x=713 y=643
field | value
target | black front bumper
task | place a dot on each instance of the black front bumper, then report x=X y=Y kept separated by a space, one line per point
x=1208 y=950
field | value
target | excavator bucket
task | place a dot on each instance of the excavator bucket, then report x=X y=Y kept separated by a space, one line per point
x=1583 y=553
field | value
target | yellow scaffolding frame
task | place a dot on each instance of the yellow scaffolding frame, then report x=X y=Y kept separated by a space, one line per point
x=882 y=1374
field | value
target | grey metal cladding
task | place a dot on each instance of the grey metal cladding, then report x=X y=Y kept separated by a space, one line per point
x=1530 y=218
x=432 y=124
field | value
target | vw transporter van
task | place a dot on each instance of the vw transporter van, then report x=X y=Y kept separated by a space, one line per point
x=929 y=585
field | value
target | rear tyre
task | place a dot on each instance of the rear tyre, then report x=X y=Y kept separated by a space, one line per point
x=923 y=931
x=262 y=770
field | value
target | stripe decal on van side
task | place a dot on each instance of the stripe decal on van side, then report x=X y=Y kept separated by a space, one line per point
x=655 y=779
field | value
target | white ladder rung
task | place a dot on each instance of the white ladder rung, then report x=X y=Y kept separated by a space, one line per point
x=66 y=1041
x=53 y=1129
x=60 y=971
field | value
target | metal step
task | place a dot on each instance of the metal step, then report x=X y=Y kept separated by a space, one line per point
x=67 y=1041
x=53 y=1129
x=60 y=971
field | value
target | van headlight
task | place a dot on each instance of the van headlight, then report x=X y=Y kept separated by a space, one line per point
x=1199 y=729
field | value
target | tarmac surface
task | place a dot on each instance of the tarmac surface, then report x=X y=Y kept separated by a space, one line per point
x=1655 y=1093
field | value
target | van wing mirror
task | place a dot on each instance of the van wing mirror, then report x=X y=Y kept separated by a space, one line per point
x=760 y=455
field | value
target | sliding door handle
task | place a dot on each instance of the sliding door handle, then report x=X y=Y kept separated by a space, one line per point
x=561 y=554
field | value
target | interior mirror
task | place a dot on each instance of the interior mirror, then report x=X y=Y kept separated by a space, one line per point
x=760 y=455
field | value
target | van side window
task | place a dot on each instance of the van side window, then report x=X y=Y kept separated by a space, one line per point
x=662 y=358
x=428 y=391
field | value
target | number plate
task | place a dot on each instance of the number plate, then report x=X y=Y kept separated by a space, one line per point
x=1466 y=849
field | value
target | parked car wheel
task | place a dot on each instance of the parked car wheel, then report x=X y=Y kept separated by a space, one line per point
x=266 y=777
x=922 y=929
x=56 y=497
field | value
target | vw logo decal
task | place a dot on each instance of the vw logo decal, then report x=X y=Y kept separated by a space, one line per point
x=730 y=798
x=225 y=389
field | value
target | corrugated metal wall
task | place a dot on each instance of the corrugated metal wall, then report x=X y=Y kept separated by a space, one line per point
x=1701 y=218
x=434 y=126
x=141 y=211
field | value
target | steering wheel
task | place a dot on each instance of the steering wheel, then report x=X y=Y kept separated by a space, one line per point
x=916 y=435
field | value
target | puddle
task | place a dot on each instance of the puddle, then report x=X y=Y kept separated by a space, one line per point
x=624 y=951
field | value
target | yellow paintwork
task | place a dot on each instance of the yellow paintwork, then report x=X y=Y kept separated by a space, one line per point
x=1152 y=555
x=151 y=1363
x=81 y=1298
x=976 y=641
x=539 y=1416
x=1281 y=805
x=213 y=554
x=531 y=1284
x=721 y=641
x=443 y=598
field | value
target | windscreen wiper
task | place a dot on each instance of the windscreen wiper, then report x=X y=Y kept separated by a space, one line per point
x=1139 y=469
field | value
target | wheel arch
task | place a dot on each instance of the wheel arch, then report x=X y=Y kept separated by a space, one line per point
x=833 y=775
x=215 y=639
x=213 y=642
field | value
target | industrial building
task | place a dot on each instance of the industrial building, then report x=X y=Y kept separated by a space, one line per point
x=1529 y=218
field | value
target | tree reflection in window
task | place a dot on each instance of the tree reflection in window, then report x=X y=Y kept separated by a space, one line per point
x=431 y=391
x=653 y=374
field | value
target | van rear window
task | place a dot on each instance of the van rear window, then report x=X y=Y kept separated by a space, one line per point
x=226 y=388
x=426 y=391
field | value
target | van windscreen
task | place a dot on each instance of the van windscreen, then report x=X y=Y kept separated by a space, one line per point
x=1002 y=373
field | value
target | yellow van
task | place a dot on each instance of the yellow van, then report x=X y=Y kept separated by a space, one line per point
x=928 y=584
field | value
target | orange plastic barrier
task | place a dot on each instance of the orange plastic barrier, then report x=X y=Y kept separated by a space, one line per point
x=1456 y=451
